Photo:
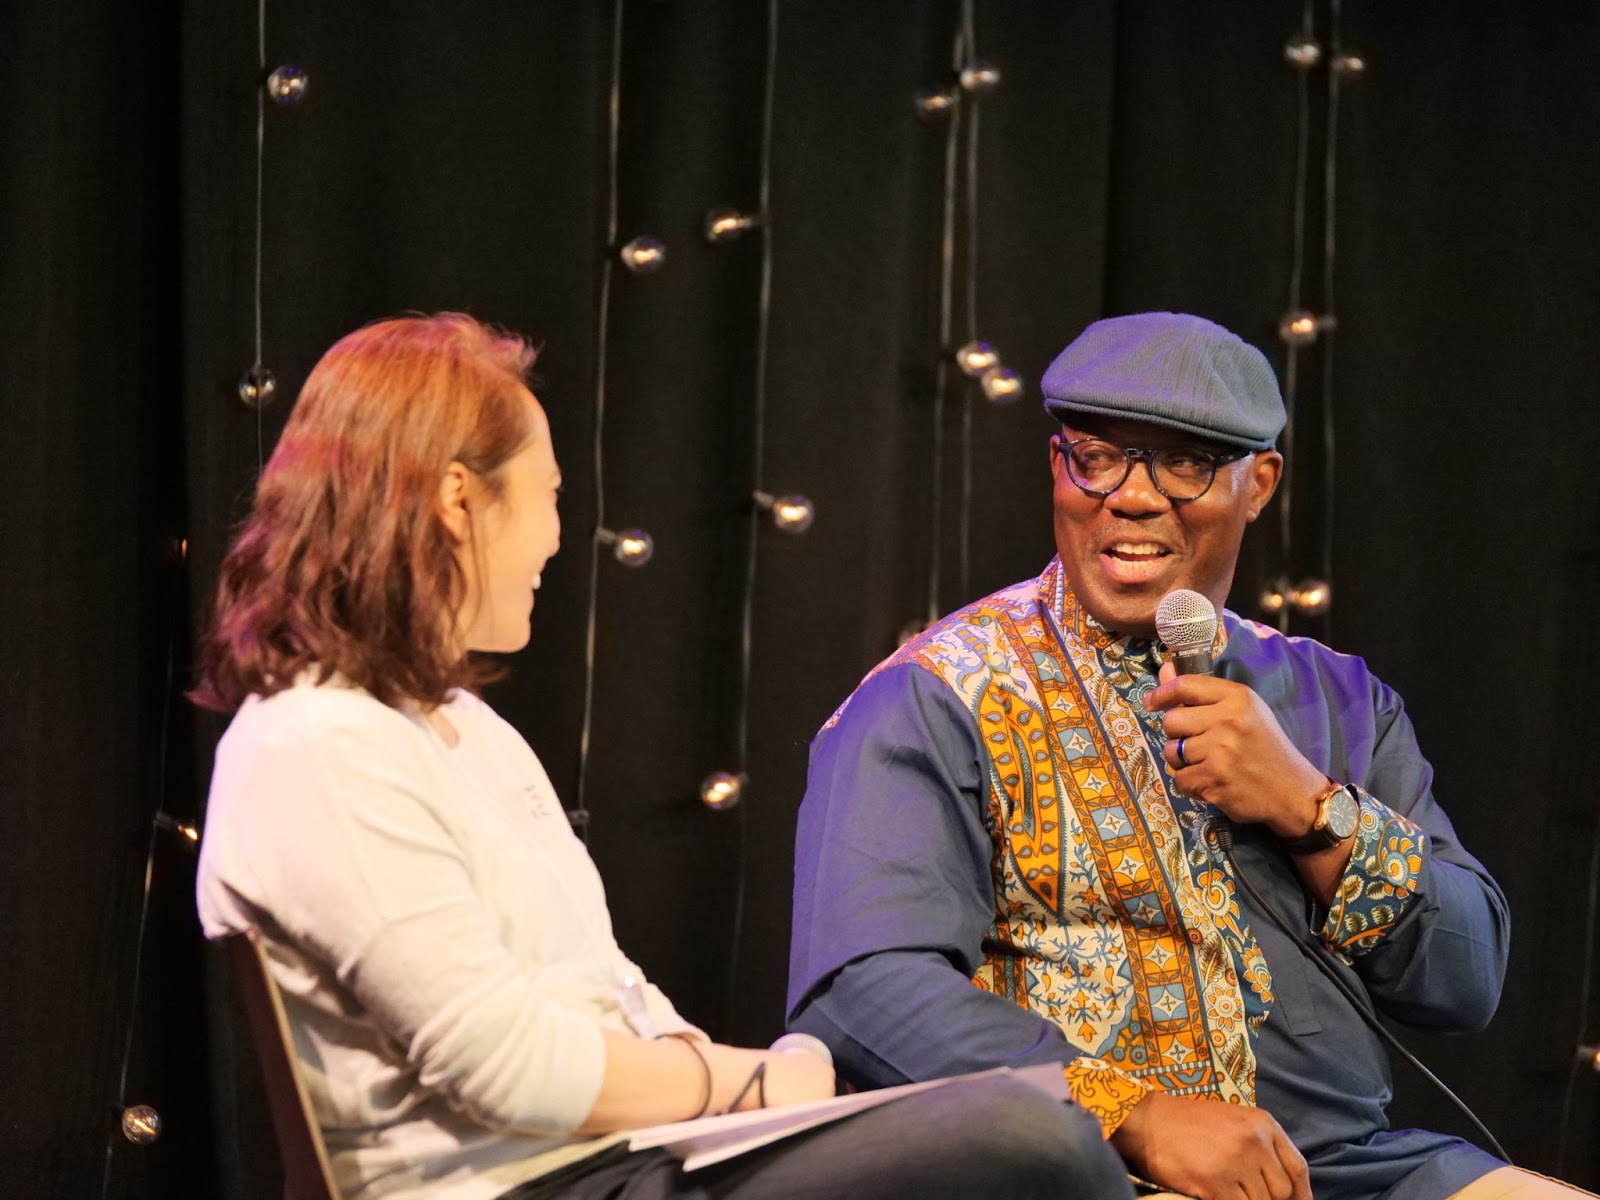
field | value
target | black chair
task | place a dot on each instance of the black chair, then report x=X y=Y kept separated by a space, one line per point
x=306 y=1172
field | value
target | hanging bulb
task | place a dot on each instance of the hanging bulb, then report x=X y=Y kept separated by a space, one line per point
x=1001 y=384
x=141 y=1124
x=643 y=255
x=934 y=103
x=257 y=386
x=721 y=790
x=1348 y=66
x=1302 y=327
x=1274 y=595
x=630 y=547
x=791 y=514
x=978 y=77
x=1303 y=51
x=187 y=832
x=724 y=225
x=1311 y=597
x=288 y=86
x=976 y=357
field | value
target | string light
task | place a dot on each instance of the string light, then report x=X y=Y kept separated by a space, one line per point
x=934 y=103
x=141 y=1124
x=724 y=225
x=1274 y=596
x=722 y=790
x=791 y=514
x=1303 y=51
x=978 y=77
x=1348 y=66
x=630 y=547
x=187 y=832
x=1001 y=384
x=976 y=357
x=644 y=255
x=1311 y=597
x=257 y=387
x=288 y=85
x=1302 y=328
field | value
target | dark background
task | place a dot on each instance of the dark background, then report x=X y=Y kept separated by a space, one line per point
x=1137 y=155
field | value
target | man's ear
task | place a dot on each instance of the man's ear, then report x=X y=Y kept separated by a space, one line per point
x=1266 y=469
x=452 y=502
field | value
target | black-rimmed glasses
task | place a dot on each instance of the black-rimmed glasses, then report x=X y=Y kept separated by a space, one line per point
x=1179 y=472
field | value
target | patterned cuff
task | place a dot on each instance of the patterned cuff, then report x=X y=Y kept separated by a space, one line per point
x=1104 y=1092
x=1379 y=884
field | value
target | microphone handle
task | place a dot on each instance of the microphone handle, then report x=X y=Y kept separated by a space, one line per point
x=1196 y=661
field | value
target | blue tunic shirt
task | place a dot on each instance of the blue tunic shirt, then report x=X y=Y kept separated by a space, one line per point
x=895 y=897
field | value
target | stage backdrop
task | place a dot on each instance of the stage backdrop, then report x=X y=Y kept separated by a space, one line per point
x=1133 y=156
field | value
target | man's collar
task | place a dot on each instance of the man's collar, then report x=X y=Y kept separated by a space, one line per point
x=1075 y=621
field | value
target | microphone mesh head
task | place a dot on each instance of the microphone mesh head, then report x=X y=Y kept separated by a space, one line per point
x=1186 y=621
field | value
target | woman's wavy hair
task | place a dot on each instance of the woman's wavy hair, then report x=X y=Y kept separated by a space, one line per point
x=344 y=564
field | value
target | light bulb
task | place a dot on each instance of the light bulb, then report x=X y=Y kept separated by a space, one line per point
x=1303 y=51
x=724 y=225
x=643 y=255
x=287 y=85
x=791 y=514
x=1274 y=595
x=257 y=386
x=1348 y=66
x=978 y=77
x=933 y=103
x=141 y=1124
x=976 y=357
x=1001 y=384
x=1311 y=597
x=721 y=790
x=1301 y=328
x=630 y=547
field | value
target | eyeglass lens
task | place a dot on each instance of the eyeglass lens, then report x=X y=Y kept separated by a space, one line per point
x=1181 y=472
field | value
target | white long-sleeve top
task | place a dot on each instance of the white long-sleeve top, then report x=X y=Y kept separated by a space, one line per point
x=439 y=934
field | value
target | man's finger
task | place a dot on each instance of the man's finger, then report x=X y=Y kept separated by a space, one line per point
x=1294 y=1165
x=1187 y=689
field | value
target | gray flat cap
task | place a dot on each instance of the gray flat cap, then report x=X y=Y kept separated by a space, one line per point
x=1169 y=369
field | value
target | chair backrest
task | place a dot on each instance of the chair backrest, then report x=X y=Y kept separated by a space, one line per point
x=306 y=1171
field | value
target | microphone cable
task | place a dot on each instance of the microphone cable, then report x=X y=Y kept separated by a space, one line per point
x=1318 y=955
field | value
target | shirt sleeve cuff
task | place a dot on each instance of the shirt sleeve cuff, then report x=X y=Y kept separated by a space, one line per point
x=1381 y=881
x=1102 y=1091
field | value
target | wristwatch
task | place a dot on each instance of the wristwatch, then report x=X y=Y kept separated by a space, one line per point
x=1338 y=811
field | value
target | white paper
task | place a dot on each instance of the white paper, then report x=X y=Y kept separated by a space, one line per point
x=715 y=1139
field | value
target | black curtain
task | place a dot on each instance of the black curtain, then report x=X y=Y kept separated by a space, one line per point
x=1136 y=155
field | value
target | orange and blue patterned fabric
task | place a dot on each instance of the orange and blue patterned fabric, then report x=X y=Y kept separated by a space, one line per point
x=994 y=868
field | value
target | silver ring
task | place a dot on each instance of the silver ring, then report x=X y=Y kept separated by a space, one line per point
x=1182 y=761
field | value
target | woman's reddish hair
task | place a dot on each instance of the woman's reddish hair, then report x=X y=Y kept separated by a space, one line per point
x=344 y=564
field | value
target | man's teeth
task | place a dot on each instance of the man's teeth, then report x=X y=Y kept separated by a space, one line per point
x=537 y=580
x=1139 y=549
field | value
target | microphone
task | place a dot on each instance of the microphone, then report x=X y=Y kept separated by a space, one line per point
x=803 y=1043
x=1187 y=622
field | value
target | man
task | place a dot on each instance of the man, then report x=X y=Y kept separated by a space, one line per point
x=1014 y=846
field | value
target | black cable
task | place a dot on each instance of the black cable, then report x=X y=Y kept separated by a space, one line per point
x=1318 y=956
x=1291 y=366
x=578 y=815
x=1330 y=154
x=1585 y=980
x=758 y=448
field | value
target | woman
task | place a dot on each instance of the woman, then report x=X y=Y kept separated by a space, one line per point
x=461 y=1011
